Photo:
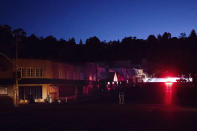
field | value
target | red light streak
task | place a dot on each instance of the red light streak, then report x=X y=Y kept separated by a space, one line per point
x=168 y=90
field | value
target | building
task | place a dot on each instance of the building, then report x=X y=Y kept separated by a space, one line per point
x=50 y=81
x=45 y=80
x=125 y=71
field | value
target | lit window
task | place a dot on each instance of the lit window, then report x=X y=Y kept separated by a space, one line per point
x=3 y=91
x=39 y=72
x=30 y=72
x=23 y=72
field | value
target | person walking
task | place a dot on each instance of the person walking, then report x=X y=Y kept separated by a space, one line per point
x=121 y=95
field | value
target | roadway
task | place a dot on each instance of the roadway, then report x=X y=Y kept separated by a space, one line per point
x=83 y=117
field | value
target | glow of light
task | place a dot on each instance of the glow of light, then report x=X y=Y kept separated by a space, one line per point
x=115 y=78
x=168 y=90
x=108 y=89
x=108 y=83
x=168 y=84
x=90 y=78
x=169 y=79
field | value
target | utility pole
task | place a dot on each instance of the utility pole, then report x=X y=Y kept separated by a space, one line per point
x=16 y=91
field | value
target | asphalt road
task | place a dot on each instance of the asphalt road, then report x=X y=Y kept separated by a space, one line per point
x=84 y=117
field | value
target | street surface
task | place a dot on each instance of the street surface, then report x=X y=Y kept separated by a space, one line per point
x=84 y=117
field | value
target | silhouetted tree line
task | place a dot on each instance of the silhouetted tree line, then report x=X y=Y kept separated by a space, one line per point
x=161 y=52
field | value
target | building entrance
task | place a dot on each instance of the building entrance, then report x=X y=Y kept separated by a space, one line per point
x=29 y=92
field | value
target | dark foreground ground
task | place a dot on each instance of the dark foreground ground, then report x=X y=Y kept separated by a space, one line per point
x=84 y=117
x=146 y=109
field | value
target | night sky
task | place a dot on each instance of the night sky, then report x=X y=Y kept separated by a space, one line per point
x=106 y=19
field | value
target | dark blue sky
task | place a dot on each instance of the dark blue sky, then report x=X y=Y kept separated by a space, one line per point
x=106 y=19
